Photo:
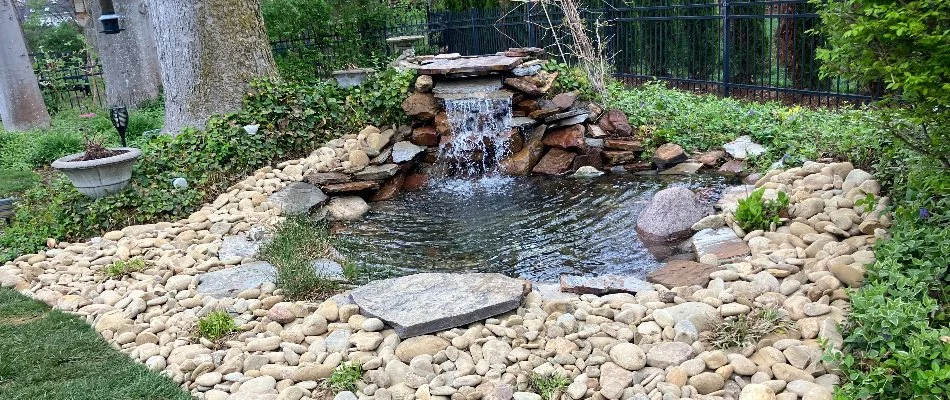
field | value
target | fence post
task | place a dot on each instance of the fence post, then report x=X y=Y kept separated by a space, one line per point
x=532 y=39
x=471 y=16
x=726 y=26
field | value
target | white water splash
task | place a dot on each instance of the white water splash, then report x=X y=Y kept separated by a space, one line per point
x=481 y=130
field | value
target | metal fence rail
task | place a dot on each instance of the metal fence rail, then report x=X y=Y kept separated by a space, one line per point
x=762 y=50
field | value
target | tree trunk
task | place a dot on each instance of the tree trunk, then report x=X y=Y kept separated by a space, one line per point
x=21 y=103
x=209 y=51
x=129 y=59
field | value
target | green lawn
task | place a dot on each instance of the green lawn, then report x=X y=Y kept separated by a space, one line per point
x=12 y=181
x=48 y=354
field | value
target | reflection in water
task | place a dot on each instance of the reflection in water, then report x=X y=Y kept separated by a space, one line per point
x=536 y=228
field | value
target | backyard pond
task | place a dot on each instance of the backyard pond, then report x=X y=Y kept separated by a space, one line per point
x=531 y=227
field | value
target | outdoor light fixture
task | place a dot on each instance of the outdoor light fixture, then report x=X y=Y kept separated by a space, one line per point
x=120 y=120
x=109 y=19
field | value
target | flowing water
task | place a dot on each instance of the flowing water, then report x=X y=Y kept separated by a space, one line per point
x=534 y=227
x=480 y=129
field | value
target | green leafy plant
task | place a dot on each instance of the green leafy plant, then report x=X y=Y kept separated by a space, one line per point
x=296 y=244
x=549 y=387
x=756 y=213
x=344 y=378
x=746 y=329
x=216 y=325
x=122 y=268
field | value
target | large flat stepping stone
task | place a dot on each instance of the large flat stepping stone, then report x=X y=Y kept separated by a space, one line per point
x=430 y=302
x=721 y=242
x=603 y=284
x=683 y=273
x=298 y=198
x=231 y=281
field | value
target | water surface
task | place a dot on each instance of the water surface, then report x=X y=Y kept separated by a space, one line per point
x=534 y=227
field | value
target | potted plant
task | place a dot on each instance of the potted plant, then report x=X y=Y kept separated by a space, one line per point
x=351 y=76
x=99 y=171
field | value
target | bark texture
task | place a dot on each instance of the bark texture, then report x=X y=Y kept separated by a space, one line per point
x=129 y=59
x=21 y=103
x=209 y=51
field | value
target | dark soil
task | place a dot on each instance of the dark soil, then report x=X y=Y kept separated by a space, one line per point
x=97 y=153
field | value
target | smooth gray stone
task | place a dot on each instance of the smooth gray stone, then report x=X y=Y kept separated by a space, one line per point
x=239 y=246
x=671 y=215
x=431 y=302
x=298 y=198
x=231 y=281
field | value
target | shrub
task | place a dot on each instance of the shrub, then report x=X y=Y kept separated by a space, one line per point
x=216 y=325
x=295 y=119
x=756 y=213
x=122 y=268
x=746 y=329
x=345 y=377
x=902 y=45
x=296 y=244
x=897 y=337
x=48 y=147
x=549 y=387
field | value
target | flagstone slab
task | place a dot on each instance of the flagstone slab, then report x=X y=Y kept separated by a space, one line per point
x=603 y=284
x=430 y=302
x=474 y=65
x=721 y=242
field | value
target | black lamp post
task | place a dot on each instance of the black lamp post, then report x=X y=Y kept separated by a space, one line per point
x=120 y=120
x=109 y=19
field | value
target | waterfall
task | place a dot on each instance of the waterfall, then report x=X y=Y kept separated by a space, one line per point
x=481 y=130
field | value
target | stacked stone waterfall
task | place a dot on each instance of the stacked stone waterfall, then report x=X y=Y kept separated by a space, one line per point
x=479 y=141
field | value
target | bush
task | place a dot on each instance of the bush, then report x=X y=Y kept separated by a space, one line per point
x=216 y=325
x=294 y=118
x=897 y=338
x=755 y=213
x=53 y=145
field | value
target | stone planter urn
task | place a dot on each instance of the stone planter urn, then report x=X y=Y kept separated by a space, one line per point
x=100 y=177
x=6 y=210
x=347 y=78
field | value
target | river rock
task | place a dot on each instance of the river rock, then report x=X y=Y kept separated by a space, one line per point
x=429 y=302
x=346 y=208
x=415 y=346
x=667 y=354
x=671 y=215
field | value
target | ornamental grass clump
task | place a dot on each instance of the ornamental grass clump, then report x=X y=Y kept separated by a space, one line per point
x=549 y=387
x=747 y=329
x=344 y=378
x=296 y=244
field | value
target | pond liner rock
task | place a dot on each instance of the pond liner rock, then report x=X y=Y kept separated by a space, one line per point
x=430 y=302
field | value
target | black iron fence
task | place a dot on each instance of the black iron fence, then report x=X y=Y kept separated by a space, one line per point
x=762 y=50
x=70 y=80
x=750 y=49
